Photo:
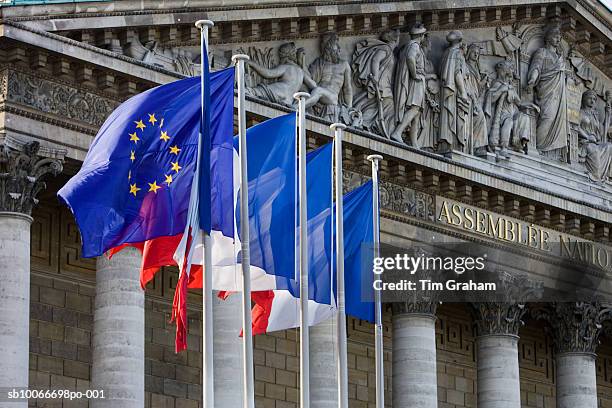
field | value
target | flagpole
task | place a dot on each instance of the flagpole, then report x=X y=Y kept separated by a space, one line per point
x=378 y=333
x=208 y=386
x=341 y=344
x=247 y=337
x=304 y=329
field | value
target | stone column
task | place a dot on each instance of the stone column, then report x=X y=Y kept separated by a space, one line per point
x=323 y=369
x=498 y=381
x=576 y=328
x=118 y=332
x=22 y=168
x=228 y=361
x=415 y=382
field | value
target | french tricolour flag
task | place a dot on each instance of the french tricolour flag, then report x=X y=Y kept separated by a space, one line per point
x=279 y=309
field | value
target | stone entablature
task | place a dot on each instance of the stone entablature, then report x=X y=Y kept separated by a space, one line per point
x=500 y=103
x=577 y=207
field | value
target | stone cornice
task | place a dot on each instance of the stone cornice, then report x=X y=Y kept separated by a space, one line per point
x=291 y=10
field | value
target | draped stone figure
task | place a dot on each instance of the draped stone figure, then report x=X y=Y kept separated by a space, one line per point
x=547 y=74
x=431 y=108
x=289 y=76
x=454 y=99
x=608 y=115
x=595 y=149
x=333 y=95
x=373 y=65
x=476 y=85
x=409 y=95
x=508 y=126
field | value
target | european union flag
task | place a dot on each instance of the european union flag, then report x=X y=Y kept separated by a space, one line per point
x=136 y=179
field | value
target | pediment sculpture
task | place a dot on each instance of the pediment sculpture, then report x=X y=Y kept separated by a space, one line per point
x=517 y=90
x=594 y=135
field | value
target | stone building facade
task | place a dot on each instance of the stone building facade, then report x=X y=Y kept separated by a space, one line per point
x=504 y=108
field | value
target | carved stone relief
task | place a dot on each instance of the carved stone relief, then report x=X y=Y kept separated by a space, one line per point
x=58 y=99
x=373 y=70
x=396 y=198
x=180 y=60
x=284 y=79
x=332 y=97
x=593 y=131
x=510 y=121
x=518 y=90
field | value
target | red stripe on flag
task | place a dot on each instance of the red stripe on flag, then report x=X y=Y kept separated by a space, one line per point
x=261 y=311
x=156 y=253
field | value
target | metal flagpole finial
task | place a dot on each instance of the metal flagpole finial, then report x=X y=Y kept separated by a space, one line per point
x=301 y=95
x=204 y=23
x=240 y=57
x=374 y=158
x=335 y=126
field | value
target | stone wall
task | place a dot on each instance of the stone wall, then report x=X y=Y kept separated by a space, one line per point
x=61 y=321
x=60 y=356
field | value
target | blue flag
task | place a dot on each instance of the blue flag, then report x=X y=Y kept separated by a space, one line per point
x=319 y=194
x=358 y=237
x=136 y=179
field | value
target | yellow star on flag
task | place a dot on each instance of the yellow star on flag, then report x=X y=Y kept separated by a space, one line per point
x=132 y=156
x=175 y=166
x=164 y=136
x=168 y=179
x=134 y=189
x=140 y=125
x=152 y=119
x=134 y=137
x=153 y=186
x=174 y=150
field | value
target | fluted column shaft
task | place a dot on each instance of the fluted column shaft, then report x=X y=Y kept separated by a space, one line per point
x=323 y=370
x=498 y=381
x=576 y=381
x=498 y=378
x=414 y=360
x=118 y=332
x=14 y=300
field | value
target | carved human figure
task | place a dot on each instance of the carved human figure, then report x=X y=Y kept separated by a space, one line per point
x=608 y=115
x=454 y=100
x=289 y=76
x=409 y=93
x=595 y=149
x=332 y=74
x=476 y=85
x=431 y=108
x=547 y=74
x=507 y=124
x=373 y=65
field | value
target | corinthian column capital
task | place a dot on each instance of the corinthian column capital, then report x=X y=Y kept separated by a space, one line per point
x=23 y=169
x=504 y=316
x=498 y=318
x=576 y=326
